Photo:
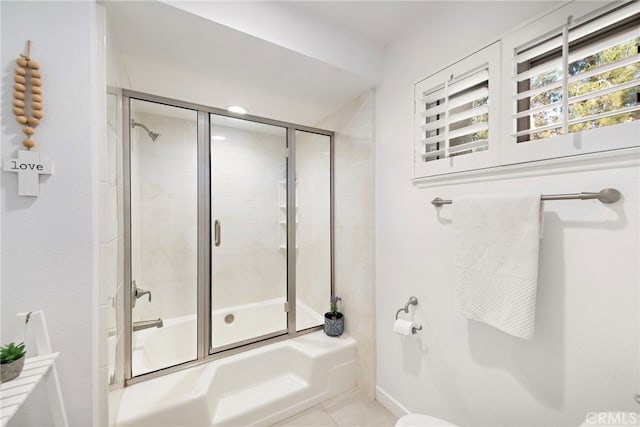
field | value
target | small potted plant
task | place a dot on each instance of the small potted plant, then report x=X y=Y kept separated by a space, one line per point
x=12 y=358
x=334 y=320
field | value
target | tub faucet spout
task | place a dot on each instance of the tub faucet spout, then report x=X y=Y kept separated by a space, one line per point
x=146 y=324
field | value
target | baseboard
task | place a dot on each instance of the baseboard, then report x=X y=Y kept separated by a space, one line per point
x=390 y=403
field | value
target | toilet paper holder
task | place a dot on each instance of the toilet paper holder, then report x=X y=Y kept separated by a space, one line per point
x=412 y=301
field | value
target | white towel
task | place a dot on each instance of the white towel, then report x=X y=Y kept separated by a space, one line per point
x=496 y=259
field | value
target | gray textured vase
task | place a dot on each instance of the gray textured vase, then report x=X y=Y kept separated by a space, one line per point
x=333 y=327
x=9 y=371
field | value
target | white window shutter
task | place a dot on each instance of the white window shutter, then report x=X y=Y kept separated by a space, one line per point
x=558 y=83
x=454 y=117
x=603 y=61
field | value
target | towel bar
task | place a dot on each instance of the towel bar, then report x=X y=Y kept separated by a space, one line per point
x=608 y=195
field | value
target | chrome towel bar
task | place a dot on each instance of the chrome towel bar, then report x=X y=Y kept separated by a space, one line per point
x=608 y=195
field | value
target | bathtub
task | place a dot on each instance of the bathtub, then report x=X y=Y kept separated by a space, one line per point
x=170 y=345
x=175 y=342
x=258 y=387
x=253 y=320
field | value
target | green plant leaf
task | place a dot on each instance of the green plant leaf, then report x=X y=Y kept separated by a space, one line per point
x=11 y=352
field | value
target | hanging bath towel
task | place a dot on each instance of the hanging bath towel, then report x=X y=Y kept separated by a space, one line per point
x=496 y=239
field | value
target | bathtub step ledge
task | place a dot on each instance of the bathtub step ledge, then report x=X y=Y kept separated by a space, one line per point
x=261 y=386
x=232 y=408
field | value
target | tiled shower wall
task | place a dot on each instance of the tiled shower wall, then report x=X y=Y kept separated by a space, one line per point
x=111 y=208
x=354 y=245
x=248 y=172
x=313 y=229
x=248 y=169
x=249 y=198
x=111 y=245
x=164 y=194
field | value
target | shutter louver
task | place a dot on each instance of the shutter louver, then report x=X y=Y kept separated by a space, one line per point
x=453 y=117
x=595 y=85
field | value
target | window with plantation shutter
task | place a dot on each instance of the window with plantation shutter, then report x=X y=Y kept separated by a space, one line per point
x=563 y=85
x=453 y=122
x=581 y=76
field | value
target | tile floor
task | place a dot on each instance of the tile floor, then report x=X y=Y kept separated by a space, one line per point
x=351 y=409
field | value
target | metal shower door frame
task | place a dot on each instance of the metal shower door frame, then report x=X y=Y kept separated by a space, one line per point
x=204 y=283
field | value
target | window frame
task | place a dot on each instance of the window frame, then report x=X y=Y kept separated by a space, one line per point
x=506 y=156
x=606 y=138
x=489 y=55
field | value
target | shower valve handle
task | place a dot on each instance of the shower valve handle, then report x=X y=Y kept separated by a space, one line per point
x=137 y=292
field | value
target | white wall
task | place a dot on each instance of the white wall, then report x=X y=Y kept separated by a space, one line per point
x=584 y=356
x=353 y=221
x=49 y=243
x=286 y=26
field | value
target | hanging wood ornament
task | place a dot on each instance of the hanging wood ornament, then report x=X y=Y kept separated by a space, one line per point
x=27 y=87
x=27 y=97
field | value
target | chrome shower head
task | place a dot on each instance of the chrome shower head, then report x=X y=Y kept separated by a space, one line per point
x=153 y=135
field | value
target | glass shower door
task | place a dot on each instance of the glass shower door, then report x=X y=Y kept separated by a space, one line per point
x=313 y=228
x=249 y=227
x=163 y=235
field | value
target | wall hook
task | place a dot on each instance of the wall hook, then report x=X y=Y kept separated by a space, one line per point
x=27 y=56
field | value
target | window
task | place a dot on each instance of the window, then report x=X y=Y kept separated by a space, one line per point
x=457 y=116
x=571 y=84
x=580 y=77
x=454 y=115
x=557 y=87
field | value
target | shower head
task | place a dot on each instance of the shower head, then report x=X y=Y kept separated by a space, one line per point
x=153 y=135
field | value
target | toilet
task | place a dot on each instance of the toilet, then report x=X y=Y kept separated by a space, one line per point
x=421 y=420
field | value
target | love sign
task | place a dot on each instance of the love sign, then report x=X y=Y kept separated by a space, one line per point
x=29 y=167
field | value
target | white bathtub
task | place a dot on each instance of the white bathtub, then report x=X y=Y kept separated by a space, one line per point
x=258 y=387
x=254 y=320
x=175 y=342
x=170 y=345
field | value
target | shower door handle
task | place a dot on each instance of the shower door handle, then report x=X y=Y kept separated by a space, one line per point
x=216 y=232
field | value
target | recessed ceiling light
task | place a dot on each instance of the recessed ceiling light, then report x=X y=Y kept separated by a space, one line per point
x=237 y=109
x=218 y=138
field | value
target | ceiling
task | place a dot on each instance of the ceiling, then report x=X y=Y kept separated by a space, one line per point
x=255 y=60
x=168 y=52
x=378 y=21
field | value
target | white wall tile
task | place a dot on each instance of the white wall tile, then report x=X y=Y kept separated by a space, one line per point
x=108 y=212
x=164 y=217
x=110 y=251
x=107 y=269
x=103 y=321
x=246 y=170
x=183 y=212
x=354 y=144
x=102 y=411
